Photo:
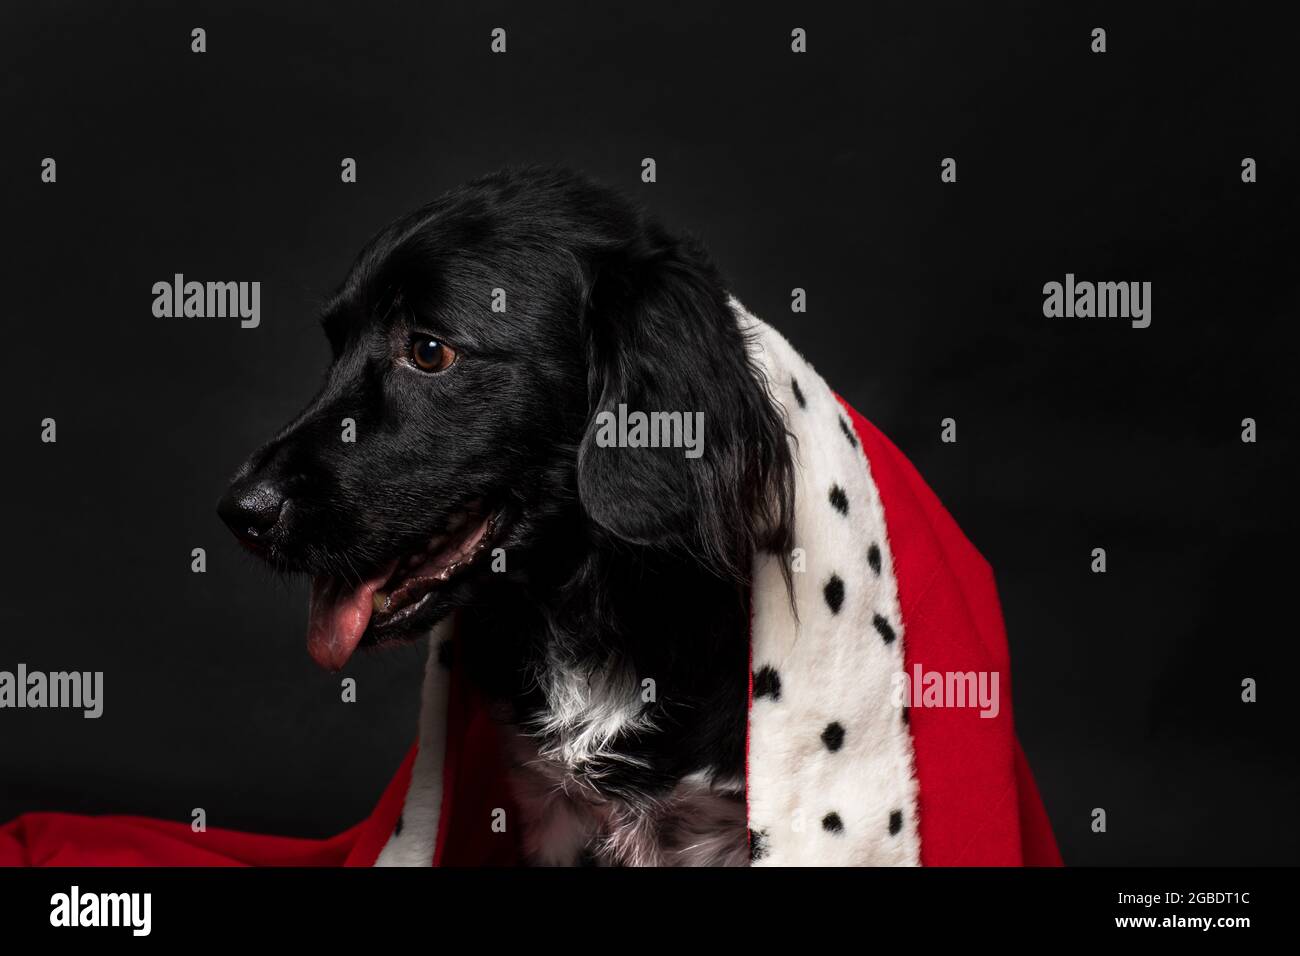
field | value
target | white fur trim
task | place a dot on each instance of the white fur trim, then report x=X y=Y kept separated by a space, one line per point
x=833 y=668
x=414 y=846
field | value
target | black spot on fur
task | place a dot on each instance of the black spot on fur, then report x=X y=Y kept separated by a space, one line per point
x=907 y=714
x=895 y=822
x=873 y=559
x=833 y=736
x=883 y=629
x=397 y=830
x=757 y=845
x=848 y=433
x=839 y=500
x=767 y=683
x=832 y=823
x=798 y=393
x=834 y=592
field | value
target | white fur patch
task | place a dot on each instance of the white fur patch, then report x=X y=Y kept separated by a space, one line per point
x=586 y=713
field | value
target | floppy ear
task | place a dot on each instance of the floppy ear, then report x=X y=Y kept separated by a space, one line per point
x=661 y=337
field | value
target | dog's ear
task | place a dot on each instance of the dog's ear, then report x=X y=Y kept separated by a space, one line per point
x=661 y=337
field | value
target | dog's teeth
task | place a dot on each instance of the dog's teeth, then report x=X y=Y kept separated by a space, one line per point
x=381 y=600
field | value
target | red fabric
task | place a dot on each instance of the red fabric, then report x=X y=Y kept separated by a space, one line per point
x=977 y=802
x=65 y=839
x=978 y=805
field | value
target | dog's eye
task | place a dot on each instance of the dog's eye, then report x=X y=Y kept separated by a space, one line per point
x=430 y=355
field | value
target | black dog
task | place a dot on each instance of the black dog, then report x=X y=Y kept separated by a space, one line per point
x=473 y=431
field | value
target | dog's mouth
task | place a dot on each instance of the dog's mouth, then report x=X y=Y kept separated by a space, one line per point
x=342 y=611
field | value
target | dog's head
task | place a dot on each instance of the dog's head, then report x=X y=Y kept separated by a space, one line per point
x=475 y=344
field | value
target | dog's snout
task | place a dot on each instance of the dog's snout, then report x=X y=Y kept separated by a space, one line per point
x=252 y=509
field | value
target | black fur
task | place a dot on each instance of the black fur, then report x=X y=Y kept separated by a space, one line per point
x=638 y=557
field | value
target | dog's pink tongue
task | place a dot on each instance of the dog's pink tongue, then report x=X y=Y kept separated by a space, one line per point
x=338 y=616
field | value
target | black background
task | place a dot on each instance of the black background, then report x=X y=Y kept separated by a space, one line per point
x=819 y=171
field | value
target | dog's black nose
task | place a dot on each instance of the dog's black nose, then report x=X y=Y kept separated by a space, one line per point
x=252 y=510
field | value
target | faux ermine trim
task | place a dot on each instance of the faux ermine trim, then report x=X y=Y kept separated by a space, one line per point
x=416 y=835
x=830 y=755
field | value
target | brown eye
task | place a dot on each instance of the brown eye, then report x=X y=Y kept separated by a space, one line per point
x=430 y=355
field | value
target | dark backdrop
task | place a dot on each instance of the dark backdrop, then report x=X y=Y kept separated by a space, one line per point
x=819 y=171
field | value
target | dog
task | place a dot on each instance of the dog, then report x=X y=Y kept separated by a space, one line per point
x=475 y=342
